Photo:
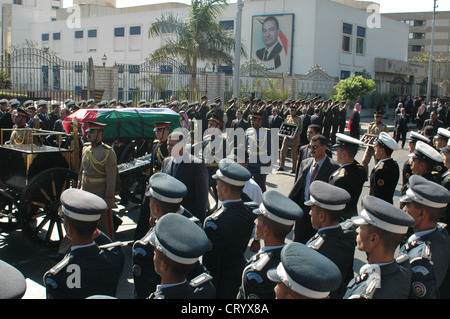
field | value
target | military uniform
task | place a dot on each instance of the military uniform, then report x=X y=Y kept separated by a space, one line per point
x=306 y=272
x=258 y=147
x=255 y=284
x=373 y=129
x=98 y=175
x=99 y=269
x=384 y=176
x=159 y=153
x=21 y=135
x=183 y=242
x=168 y=189
x=389 y=280
x=292 y=143
x=428 y=248
x=350 y=177
x=337 y=241
x=229 y=230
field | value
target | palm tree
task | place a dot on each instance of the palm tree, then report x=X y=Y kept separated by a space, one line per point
x=199 y=37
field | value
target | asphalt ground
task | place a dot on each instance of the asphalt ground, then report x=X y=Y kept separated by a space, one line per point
x=33 y=261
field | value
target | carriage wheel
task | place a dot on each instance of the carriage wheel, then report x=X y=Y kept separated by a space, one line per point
x=39 y=204
x=8 y=214
x=133 y=187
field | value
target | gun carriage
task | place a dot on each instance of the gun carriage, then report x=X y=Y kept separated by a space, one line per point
x=33 y=176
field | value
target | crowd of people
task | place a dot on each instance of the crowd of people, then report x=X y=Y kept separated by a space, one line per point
x=183 y=250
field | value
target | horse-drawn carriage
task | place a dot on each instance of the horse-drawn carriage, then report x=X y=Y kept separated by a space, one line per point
x=32 y=177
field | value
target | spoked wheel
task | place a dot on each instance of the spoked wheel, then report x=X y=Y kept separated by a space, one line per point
x=133 y=187
x=39 y=205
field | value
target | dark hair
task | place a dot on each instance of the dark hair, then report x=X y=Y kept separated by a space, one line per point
x=280 y=231
x=322 y=139
x=390 y=240
x=84 y=229
x=272 y=18
x=315 y=127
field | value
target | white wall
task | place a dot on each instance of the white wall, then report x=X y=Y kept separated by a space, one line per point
x=317 y=36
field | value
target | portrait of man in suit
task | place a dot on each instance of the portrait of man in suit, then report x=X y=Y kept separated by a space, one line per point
x=271 y=41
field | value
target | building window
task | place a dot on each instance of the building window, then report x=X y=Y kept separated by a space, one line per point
x=78 y=45
x=227 y=25
x=416 y=35
x=79 y=34
x=416 y=48
x=119 y=32
x=345 y=74
x=360 y=37
x=45 y=37
x=347 y=30
x=415 y=23
x=135 y=38
x=57 y=36
x=92 y=40
x=119 y=39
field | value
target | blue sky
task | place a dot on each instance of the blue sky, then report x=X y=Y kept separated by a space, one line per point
x=385 y=5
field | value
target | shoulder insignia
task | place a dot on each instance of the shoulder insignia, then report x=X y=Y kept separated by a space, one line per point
x=441 y=226
x=217 y=213
x=420 y=269
x=263 y=260
x=342 y=172
x=200 y=280
x=211 y=224
x=347 y=224
x=254 y=276
x=381 y=165
x=402 y=258
x=371 y=288
x=316 y=244
x=380 y=182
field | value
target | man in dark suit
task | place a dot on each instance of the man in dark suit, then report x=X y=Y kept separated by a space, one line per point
x=306 y=120
x=239 y=122
x=318 y=167
x=401 y=128
x=273 y=48
x=191 y=171
x=304 y=150
x=275 y=120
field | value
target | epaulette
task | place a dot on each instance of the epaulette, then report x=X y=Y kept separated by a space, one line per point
x=217 y=213
x=194 y=219
x=263 y=260
x=200 y=280
x=251 y=205
x=317 y=242
x=402 y=258
x=347 y=224
x=59 y=266
x=107 y=146
x=441 y=226
x=371 y=287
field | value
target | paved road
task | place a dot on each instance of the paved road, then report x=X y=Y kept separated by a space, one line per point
x=33 y=261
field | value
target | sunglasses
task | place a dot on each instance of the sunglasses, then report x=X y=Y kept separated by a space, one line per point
x=314 y=147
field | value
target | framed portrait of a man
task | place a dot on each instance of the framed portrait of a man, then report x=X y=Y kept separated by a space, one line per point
x=272 y=37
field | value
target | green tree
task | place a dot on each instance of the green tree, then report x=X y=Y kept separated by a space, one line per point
x=353 y=88
x=199 y=37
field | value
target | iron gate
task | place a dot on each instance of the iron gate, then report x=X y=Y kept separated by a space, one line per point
x=39 y=74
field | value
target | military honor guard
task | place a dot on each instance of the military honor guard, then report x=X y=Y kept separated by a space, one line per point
x=88 y=269
x=21 y=134
x=382 y=227
x=446 y=181
x=351 y=176
x=277 y=215
x=428 y=248
x=374 y=128
x=292 y=143
x=98 y=173
x=165 y=194
x=159 y=153
x=385 y=175
x=178 y=244
x=334 y=240
x=304 y=273
x=406 y=169
x=423 y=162
x=258 y=147
x=229 y=230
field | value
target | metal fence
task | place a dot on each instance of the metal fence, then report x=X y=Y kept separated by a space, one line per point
x=156 y=79
x=39 y=74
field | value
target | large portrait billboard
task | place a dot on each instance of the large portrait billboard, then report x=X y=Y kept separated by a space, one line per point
x=272 y=37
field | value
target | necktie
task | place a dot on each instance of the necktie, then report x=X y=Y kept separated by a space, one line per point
x=314 y=172
x=265 y=55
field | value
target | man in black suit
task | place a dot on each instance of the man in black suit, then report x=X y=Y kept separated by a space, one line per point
x=240 y=122
x=191 y=171
x=306 y=120
x=275 y=120
x=273 y=48
x=304 y=150
x=318 y=167
x=401 y=128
